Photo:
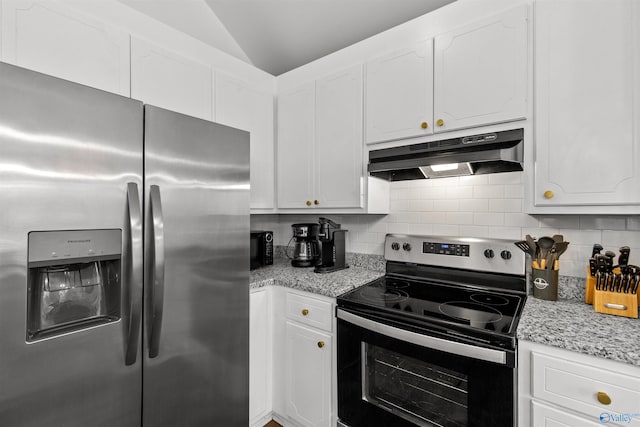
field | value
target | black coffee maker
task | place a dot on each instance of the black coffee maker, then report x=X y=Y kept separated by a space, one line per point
x=332 y=247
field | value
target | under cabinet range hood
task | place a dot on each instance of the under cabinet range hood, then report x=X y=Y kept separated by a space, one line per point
x=470 y=155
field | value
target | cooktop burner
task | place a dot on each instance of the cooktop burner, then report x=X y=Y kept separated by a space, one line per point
x=485 y=310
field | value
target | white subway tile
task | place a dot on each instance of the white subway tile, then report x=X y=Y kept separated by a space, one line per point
x=474 y=180
x=459 y=192
x=474 y=230
x=398 y=228
x=592 y=222
x=506 y=178
x=446 y=230
x=505 y=205
x=420 y=205
x=511 y=233
x=474 y=205
x=399 y=205
x=460 y=218
x=379 y=226
x=489 y=218
x=433 y=193
x=433 y=218
x=514 y=191
x=581 y=237
x=449 y=205
x=633 y=223
x=376 y=248
x=520 y=220
x=488 y=191
x=613 y=239
x=420 y=229
x=560 y=221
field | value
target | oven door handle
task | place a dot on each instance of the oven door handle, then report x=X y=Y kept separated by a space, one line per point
x=461 y=349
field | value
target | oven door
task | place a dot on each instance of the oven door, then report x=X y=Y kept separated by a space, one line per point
x=389 y=376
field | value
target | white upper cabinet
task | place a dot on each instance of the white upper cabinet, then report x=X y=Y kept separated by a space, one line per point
x=54 y=39
x=587 y=109
x=296 y=133
x=167 y=80
x=399 y=94
x=320 y=147
x=480 y=72
x=239 y=105
x=338 y=149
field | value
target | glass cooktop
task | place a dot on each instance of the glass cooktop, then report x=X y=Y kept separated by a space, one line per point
x=478 y=309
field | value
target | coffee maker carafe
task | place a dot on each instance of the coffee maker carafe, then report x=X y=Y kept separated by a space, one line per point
x=332 y=247
x=306 y=249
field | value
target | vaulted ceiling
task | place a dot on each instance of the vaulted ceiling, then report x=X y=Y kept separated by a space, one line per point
x=279 y=35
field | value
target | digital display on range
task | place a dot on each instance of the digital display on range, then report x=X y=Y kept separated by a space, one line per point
x=445 y=249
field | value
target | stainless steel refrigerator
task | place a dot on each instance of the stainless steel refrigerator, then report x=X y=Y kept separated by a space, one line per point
x=124 y=261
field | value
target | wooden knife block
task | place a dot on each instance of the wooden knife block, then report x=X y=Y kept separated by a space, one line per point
x=590 y=287
x=605 y=302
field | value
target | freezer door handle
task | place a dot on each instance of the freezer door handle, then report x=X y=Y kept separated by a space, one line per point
x=132 y=273
x=154 y=277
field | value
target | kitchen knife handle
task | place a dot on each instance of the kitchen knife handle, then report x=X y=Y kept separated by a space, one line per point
x=154 y=268
x=132 y=273
x=623 y=258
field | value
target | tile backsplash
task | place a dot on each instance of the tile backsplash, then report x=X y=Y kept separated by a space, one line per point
x=473 y=206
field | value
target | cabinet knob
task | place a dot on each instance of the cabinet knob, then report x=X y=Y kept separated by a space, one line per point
x=604 y=398
x=424 y=125
x=305 y=312
x=320 y=344
x=440 y=122
x=308 y=202
x=548 y=194
x=316 y=202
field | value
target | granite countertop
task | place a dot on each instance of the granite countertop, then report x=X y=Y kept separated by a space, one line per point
x=573 y=325
x=328 y=284
x=568 y=323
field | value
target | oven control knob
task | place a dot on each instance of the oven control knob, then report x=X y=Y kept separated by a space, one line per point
x=406 y=247
x=505 y=254
x=395 y=246
x=488 y=253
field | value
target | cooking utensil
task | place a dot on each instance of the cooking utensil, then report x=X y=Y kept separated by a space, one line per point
x=609 y=255
x=636 y=282
x=593 y=267
x=601 y=262
x=545 y=244
x=558 y=238
x=597 y=248
x=524 y=246
x=617 y=282
x=625 y=284
x=623 y=259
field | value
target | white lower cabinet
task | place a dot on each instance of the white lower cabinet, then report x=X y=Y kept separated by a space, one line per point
x=562 y=388
x=308 y=375
x=260 y=357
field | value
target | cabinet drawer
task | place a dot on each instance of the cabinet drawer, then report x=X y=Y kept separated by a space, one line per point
x=309 y=311
x=547 y=416
x=576 y=386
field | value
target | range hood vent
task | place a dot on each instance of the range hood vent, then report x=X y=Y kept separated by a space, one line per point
x=470 y=155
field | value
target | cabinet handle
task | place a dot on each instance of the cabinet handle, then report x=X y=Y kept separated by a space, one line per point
x=604 y=398
x=320 y=344
x=316 y=202
x=440 y=122
x=308 y=202
x=424 y=125
x=305 y=312
x=548 y=194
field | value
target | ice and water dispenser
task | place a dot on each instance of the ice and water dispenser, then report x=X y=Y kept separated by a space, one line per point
x=73 y=281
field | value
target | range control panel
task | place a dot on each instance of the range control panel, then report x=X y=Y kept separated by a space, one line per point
x=482 y=254
x=445 y=248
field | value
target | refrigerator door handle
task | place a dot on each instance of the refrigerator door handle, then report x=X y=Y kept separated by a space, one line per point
x=155 y=270
x=132 y=273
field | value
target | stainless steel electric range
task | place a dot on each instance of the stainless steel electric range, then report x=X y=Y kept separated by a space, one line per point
x=433 y=342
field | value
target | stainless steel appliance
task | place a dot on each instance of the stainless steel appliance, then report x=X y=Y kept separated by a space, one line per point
x=331 y=238
x=432 y=343
x=306 y=247
x=96 y=188
x=470 y=155
x=261 y=248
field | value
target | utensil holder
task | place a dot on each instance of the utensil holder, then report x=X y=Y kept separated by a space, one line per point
x=616 y=303
x=545 y=284
x=589 y=287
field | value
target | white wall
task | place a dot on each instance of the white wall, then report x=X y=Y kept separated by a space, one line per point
x=474 y=206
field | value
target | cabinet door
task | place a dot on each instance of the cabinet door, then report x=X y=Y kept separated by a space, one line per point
x=480 y=73
x=547 y=416
x=170 y=81
x=587 y=149
x=399 y=94
x=55 y=39
x=241 y=106
x=308 y=376
x=338 y=150
x=296 y=134
x=259 y=355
